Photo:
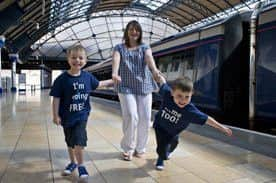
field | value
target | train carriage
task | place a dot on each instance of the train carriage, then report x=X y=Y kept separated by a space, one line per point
x=217 y=58
x=266 y=64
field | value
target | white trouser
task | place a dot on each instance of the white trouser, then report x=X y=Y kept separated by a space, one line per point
x=136 y=113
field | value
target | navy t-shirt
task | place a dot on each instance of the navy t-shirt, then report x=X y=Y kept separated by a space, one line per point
x=74 y=92
x=174 y=119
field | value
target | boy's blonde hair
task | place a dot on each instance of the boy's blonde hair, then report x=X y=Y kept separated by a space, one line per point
x=75 y=48
x=185 y=84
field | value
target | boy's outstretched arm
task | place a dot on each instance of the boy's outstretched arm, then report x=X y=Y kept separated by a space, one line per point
x=212 y=122
x=105 y=83
x=55 y=107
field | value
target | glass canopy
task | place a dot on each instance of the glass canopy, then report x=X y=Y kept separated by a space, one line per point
x=100 y=34
x=99 y=25
x=152 y=4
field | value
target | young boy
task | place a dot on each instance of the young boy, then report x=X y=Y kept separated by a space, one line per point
x=71 y=106
x=175 y=114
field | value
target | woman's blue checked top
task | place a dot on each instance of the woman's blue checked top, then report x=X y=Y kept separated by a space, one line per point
x=134 y=71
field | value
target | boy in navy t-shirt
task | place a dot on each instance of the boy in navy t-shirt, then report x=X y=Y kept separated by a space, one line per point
x=71 y=106
x=175 y=114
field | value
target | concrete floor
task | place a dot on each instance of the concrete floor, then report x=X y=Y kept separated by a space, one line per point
x=32 y=149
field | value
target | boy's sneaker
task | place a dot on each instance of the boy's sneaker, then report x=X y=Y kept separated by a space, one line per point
x=69 y=169
x=159 y=164
x=82 y=172
x=169 y=155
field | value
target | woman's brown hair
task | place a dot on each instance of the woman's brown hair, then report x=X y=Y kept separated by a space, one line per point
x=133 y=24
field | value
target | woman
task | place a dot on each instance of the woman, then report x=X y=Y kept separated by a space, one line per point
x=132 y=70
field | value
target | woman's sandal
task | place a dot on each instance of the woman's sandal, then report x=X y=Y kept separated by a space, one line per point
x=139 y=155
x=127 y=156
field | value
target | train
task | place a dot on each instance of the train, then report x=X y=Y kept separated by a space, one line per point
x=232 y=63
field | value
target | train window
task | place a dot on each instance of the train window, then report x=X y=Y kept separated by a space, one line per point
x=163 y=67
x=186 y=65
x=177 y=64
x=188 y=57
x=163 y=63
x=189 y=64
x=174 y=66
x=176 y=59
x=205 y=63
x=266 y=50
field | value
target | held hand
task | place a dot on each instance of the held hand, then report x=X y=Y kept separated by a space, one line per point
x=159 y=77
x=116 y=78
x=156 y=74
x=162 y=79
x=57 y=120
x=227 y=131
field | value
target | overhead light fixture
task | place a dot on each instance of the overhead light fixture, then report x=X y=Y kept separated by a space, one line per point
x=37 y=25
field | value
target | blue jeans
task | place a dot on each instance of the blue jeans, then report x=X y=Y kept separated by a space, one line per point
x=165 y=143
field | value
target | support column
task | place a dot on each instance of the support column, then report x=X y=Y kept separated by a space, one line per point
x=41 y=78
x=13 y=58
x=2 y=43
x=45 y=77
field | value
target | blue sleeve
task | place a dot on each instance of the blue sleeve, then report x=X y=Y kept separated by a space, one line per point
x=145 y=47
x=197 y=116
x=165 y=90
x=117 y=48
x=94 y=82
x=56 y=90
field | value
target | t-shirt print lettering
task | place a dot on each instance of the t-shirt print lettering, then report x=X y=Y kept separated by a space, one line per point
x=171 y=115
x=78 y=100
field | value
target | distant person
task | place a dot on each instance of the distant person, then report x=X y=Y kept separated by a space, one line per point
x=175 y=114
x=133 y=69
x=71 y=106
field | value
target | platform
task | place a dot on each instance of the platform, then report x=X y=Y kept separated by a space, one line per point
x=32 y=149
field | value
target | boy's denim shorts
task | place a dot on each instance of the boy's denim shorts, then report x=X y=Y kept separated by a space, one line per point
x=76 y=135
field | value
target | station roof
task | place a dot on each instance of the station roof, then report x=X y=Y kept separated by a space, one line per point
x=46 y=28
